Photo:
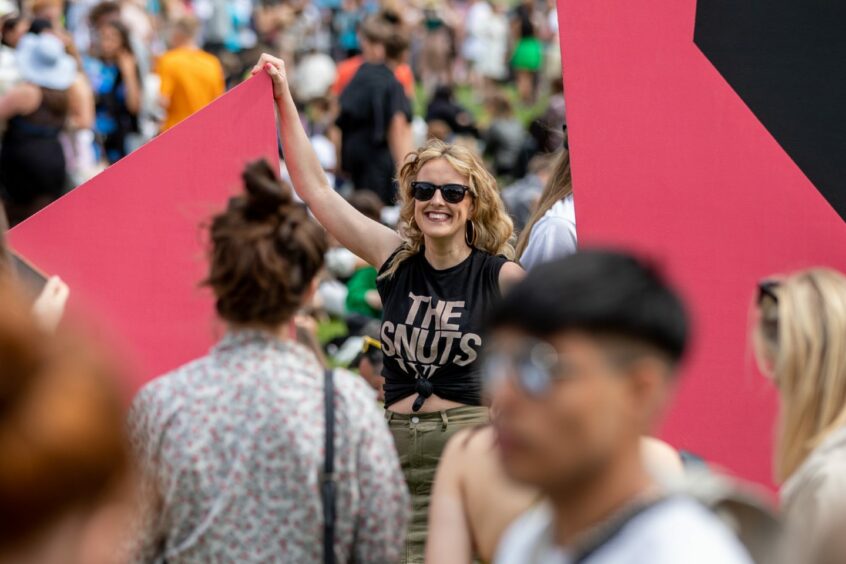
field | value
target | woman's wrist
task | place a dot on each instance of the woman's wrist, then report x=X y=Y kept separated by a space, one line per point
x=284 y=96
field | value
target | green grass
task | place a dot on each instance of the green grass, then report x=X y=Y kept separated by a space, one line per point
x=331 y=329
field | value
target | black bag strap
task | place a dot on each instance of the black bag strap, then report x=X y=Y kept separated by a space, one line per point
x=327 y=488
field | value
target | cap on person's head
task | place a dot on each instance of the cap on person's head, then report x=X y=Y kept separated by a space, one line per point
x=600 y=292
x=42 y=60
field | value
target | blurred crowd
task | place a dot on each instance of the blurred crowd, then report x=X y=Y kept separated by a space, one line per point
x=84 y=83
x=418 y=362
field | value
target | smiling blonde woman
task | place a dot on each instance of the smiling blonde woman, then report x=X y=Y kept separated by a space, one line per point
x=438 y=277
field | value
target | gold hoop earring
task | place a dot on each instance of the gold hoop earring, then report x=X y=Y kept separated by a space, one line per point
x=469 y=233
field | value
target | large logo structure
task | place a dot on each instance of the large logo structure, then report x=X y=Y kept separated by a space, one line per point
x=129 y=242
x=785 y=61
x=710 y=138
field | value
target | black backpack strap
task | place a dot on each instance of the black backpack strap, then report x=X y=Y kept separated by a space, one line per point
x=327 y=488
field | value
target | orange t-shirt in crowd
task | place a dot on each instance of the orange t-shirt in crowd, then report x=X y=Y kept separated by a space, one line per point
x=347 y=69
x=190 y=79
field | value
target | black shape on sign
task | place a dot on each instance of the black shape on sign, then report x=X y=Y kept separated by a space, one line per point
x=787 y=60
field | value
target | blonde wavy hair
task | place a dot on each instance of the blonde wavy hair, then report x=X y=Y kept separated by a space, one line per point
x=799 y=340
x=493 y=228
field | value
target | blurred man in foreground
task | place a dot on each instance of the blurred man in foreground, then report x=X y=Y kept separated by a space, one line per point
x=581 y=364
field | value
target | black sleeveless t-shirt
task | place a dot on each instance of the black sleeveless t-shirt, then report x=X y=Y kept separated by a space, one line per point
x=432 y=327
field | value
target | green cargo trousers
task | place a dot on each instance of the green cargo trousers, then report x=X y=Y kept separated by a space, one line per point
x=420 y=439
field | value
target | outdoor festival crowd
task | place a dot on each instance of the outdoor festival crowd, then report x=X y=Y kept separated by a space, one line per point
x=84 y=83
x=419 y=364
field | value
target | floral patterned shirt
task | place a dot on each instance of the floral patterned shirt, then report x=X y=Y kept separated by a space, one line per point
x=233 y=445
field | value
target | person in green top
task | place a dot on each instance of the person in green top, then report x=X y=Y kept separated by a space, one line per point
x=362 y=297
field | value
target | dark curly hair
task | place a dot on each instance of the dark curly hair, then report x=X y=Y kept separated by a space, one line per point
x=265 y=251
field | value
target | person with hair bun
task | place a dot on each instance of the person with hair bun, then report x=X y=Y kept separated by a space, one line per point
x=65 y=474
x=438 y=277
x=234 y=441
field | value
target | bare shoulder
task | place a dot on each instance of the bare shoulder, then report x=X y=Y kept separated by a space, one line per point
x=662 y=461
x=24 y=98
x=470 y=444
x=509 y=275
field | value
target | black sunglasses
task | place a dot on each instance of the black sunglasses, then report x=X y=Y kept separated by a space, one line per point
x=767 y=289
x=425 y=191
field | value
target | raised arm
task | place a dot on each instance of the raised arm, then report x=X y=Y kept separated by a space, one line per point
x=368 y=239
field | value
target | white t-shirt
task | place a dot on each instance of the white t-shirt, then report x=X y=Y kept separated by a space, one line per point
x=675 y=531
x=553 y=236
x=493 y=46
x=473 y=24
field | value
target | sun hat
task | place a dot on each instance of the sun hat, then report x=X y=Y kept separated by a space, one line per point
x=42 y=60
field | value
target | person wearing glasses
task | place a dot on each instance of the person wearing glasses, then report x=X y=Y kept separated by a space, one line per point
x=467 y=522
x=575 y=384
x=798 y=337
x=439 y=275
